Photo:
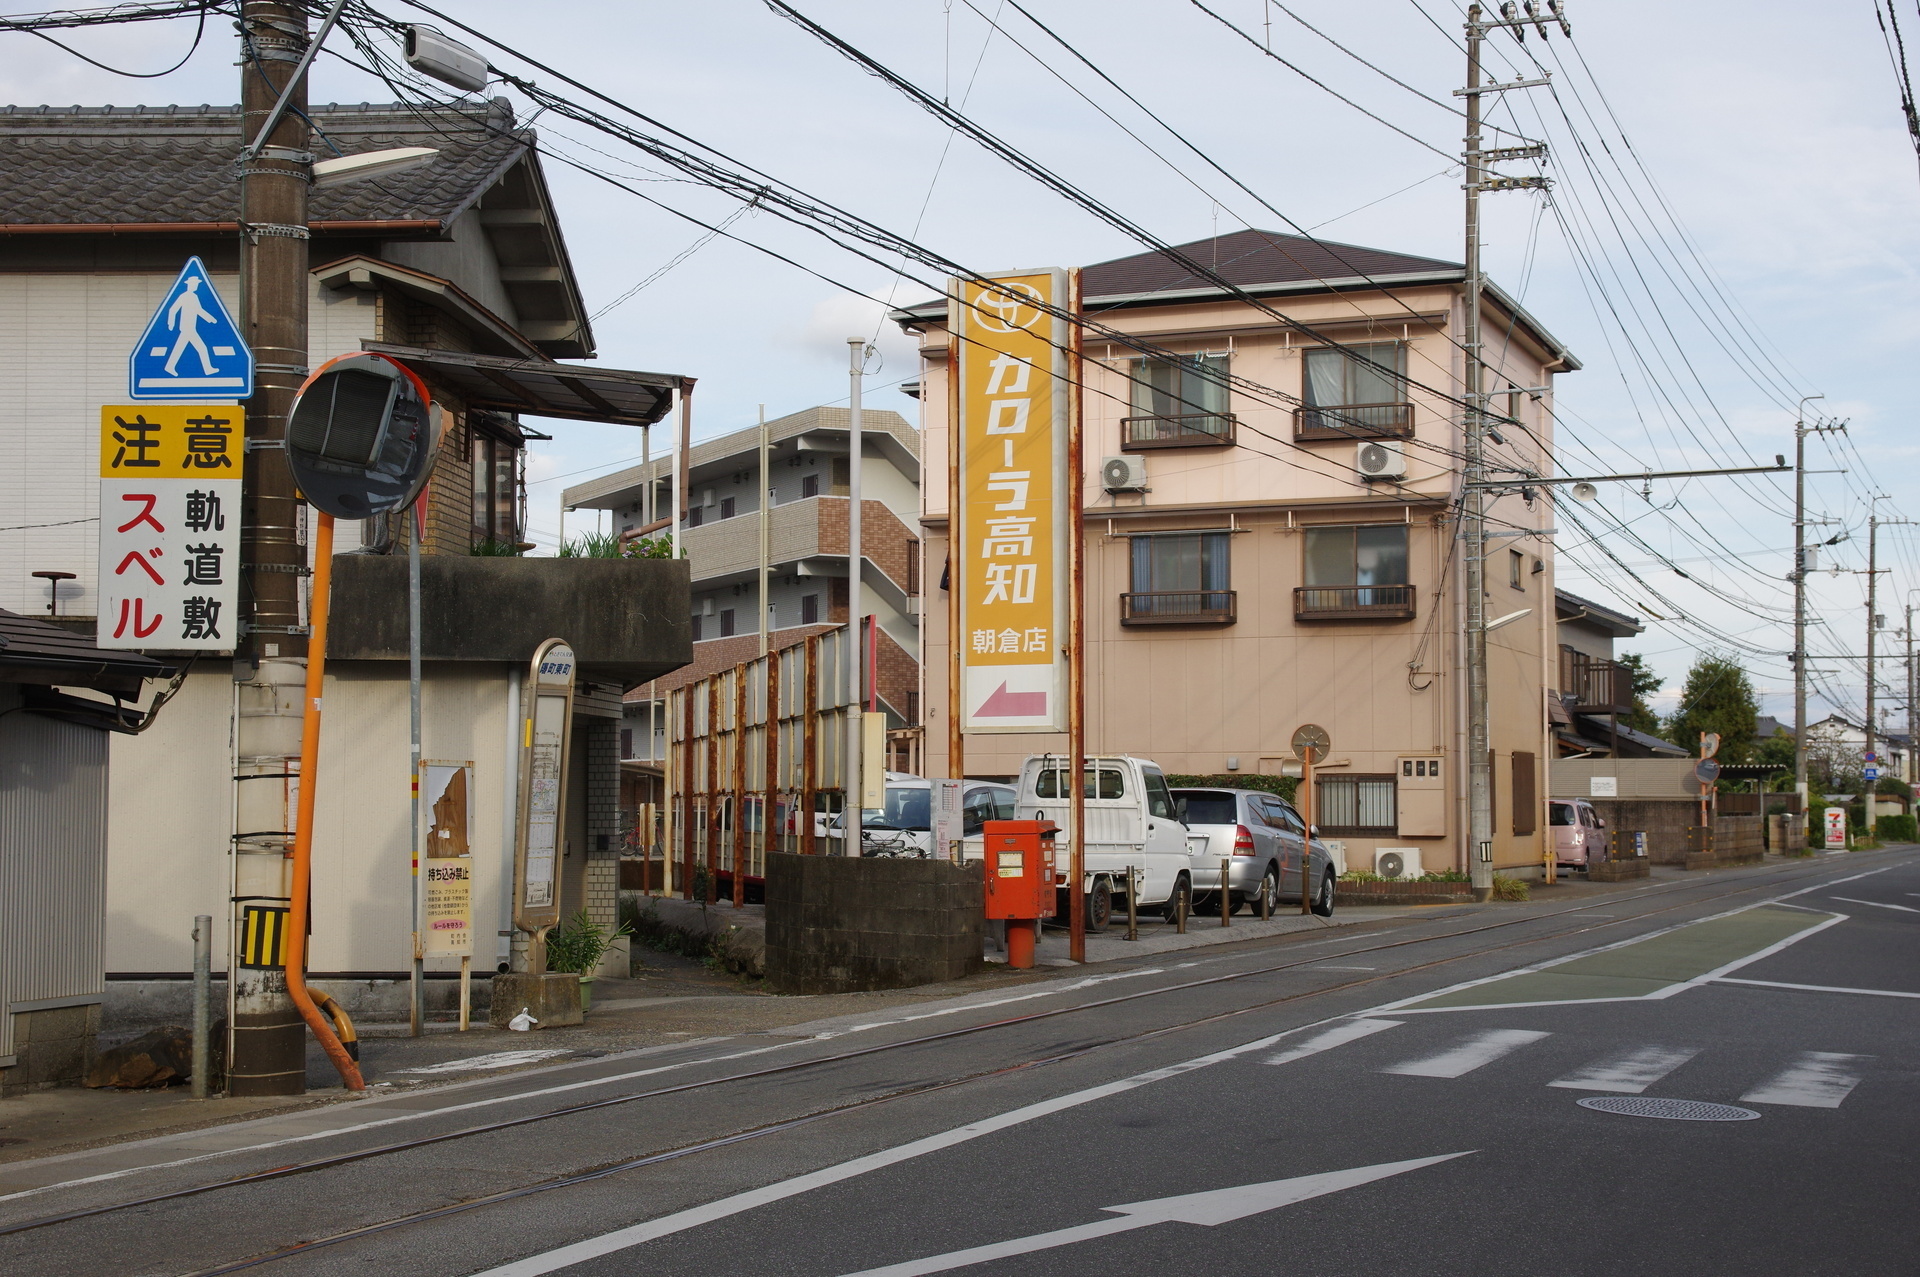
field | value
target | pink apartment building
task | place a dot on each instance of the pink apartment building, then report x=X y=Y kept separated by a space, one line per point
x=1282 y=549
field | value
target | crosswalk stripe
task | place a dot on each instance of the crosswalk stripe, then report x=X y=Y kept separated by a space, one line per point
x=1627 y=1073
x=1337 y=1035
x=1818 y=1079
x=1476 y=1051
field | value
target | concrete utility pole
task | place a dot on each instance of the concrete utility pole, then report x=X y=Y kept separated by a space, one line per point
x=1473 y=520
x=1874 y=571
x=268 y=1049
x=1473 y=523
x=856 y=722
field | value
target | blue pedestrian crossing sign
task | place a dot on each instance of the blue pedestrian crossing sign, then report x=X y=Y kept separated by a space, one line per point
x=191 y=348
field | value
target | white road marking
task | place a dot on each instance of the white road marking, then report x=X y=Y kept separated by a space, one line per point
x=1211 y=1209
x=1820 y=988
x=1877 y=904
x=1330 y=967
x=693 y=1217
x=1327 y=1039
x=1592 y=915
x=1627 y=1073
x=1818 y=1080
x=497 y=1060
x=1475 y=1052
x=1051 y=990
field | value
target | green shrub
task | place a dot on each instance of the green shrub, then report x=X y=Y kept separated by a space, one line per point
x=1363 y=875
x=660 y=547
x=578 y=944
x=496 y=550
x=1897 y=829
x=1505 y=888
x=592 y=545
x=1285 y=786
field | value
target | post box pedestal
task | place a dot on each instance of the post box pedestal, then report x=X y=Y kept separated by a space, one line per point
x=1020 y=882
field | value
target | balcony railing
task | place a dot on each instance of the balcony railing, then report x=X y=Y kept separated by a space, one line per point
x=1185 y=430
x=1354 y=421
x=1353 y=603
x=1178 y=607
x=1595 y=684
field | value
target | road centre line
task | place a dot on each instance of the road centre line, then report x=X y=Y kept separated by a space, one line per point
x=1818 y=988
x=1877 y=904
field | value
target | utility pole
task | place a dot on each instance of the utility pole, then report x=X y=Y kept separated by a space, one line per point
x=1909 y=769
x=1473 y=525
x=268 y=1046
x=1873 y=630
x=856 y=708
x=1801 y=567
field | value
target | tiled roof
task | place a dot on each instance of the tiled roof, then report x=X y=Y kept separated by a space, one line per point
x=1249 y=259
x=92 y=165
x=33 y=651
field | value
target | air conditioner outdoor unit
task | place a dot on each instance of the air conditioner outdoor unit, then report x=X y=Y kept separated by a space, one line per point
x=1123 y=474
x=1381 y=459
x=1397 y=862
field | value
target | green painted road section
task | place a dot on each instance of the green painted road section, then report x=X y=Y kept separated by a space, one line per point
x=1642 y=967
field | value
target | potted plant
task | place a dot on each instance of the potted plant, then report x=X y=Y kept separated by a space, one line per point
x=578 y=945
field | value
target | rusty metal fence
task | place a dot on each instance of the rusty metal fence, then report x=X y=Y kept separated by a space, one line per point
x=754 y=753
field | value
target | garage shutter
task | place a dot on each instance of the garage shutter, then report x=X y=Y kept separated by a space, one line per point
x=1525 y=805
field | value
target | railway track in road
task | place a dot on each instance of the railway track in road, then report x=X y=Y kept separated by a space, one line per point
x=1786 y=876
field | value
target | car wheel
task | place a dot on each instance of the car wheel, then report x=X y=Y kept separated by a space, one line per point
x=1100 y=905
x=1182 y=889
x=1323 y=900
x=1271 y=885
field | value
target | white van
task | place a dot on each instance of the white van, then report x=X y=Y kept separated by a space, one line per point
x=1131 y=825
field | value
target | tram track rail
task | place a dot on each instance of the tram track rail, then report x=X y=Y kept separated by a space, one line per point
x=1785 y=876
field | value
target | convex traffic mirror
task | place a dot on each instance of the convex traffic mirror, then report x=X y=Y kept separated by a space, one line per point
x=360 y=438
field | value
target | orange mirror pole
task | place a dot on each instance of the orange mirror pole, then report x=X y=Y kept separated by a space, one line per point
x=301 y=912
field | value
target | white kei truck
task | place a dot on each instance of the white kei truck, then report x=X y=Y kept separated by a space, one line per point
x=1132 y=826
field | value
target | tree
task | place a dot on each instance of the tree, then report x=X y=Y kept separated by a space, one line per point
x=1645 y=683
x=1776 y=750
x=1718 y=697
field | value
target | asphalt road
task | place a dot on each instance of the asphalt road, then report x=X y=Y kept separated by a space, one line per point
x=1392 y=1099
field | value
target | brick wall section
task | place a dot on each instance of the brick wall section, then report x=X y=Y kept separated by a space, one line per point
x=889 y=543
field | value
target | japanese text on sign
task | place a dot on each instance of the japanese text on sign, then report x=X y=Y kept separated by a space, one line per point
x=449 y=921
x=1010 y=529
x=169 y=526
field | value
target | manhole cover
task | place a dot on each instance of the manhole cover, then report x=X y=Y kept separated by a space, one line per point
x=1675 y=1110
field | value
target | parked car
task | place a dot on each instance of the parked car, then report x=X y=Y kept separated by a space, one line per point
x=903 y=827
x=1579 y=833
x=1132 y=827
x=1260 y=835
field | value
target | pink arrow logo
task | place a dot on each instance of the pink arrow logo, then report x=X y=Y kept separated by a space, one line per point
x=1004 y=704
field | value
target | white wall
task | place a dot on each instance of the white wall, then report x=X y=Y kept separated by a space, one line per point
x=170 y=803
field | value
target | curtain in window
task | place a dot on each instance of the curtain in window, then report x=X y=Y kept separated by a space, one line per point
x=1182 y=570
x=1353 y=802
x=1192 y=389
x=1349 y=556
x=1349 y=375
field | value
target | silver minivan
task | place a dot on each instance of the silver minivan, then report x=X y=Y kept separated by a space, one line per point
x=1259 y=835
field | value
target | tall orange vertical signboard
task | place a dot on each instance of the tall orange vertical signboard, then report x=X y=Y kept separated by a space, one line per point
x=1010 y=530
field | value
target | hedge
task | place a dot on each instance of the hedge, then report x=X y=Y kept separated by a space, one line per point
x=1285 y=786
x=1897 y=829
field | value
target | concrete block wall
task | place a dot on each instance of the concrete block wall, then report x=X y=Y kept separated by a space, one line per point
x=839 y=925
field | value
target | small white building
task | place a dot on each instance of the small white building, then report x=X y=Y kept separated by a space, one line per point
x=457 y=269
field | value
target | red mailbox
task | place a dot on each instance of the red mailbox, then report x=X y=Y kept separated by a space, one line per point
x=1020 y=881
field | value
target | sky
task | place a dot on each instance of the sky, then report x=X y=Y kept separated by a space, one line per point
x=1732 y=226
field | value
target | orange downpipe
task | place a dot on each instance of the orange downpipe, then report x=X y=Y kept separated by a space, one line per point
x=303 y=827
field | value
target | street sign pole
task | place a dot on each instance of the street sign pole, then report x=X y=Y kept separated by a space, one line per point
x=1310 y=744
